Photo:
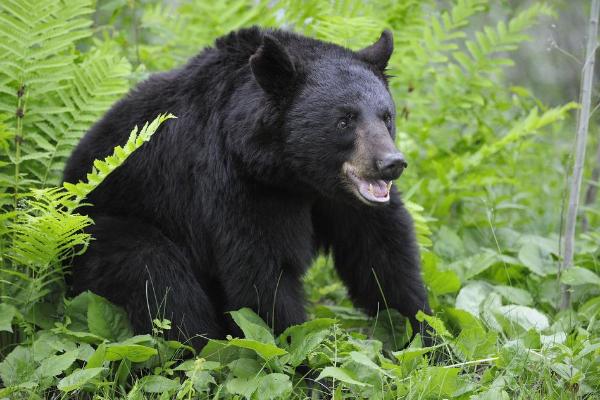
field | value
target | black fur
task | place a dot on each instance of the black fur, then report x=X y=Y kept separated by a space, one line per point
x=228 y=204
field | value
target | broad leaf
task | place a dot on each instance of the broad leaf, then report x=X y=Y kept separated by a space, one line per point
x=132 y=352
x=158 y=384
x=575 y=276
x=107 y=320
x=273 y=386
x=7 y=313
x=341 y=374
x=55 y=365
x=78 y=378
x=265 y=350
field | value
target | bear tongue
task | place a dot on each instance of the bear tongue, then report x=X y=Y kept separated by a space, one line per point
x=376 y=190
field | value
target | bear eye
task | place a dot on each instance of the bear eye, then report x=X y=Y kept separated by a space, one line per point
x=387 y=118
x=345 y=121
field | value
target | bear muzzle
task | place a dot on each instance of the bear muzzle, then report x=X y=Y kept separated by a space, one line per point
x=368 y=190
x=391 y=166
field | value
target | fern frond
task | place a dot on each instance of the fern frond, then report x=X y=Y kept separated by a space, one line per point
x=51 y=93
x=46 y=231
x=102 y=168
x=504 y=38
x=98 y=81
x=430 y=42
x=529 y=125
x=200 y=23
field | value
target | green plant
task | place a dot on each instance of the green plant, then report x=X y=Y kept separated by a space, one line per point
x=484 y=186
x=45 y=233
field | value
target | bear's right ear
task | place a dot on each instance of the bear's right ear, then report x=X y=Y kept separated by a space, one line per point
x=272 y=66
x=379 y=53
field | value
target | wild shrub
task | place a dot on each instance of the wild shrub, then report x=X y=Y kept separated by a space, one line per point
x=484 y=185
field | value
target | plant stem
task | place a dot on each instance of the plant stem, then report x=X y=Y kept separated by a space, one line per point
x=592 y=190
x=20 y=114
x=581 y=138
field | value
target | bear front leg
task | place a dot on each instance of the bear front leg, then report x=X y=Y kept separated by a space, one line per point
x=376 y=254
x=275 y=294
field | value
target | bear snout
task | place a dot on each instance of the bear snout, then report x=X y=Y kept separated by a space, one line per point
x=391 y=166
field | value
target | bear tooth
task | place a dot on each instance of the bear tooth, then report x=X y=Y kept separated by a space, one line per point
x=389 y=186
x=371 y=188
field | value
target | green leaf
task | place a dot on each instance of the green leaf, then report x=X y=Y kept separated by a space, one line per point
x=201 y=380
x=476 y=343
x=18 y=366
x=590 y=309
x=78 y=378
x=252 y=325
x=436 y=382
x=98 y=358
x=243 y=386
x=76 y=310
x=575 y=276
x=364 y=361
x=530 y=256
x=132 y=352
x=265 y=350
x=107 y=320
x=55 y=365
x=472 y=296
x=220 y=351
x=448 y=244
x=245 y=368
x=436 y=323
x=464 y=319
x=469 y=267
x=273 y=386
x=341 y=374
x=514 y=295
x=7 y=313
x=300 y=340
x=85 y=337
x=410 y=353
x=438 y=281
x=525 y=317
x=158 y=384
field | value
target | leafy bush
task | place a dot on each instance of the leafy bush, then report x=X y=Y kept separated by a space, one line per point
x=484 y=186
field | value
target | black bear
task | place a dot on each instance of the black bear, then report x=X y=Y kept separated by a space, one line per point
x=283 y=146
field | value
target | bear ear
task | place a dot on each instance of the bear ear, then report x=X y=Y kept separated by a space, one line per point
x=379 y=53
x=272 y=66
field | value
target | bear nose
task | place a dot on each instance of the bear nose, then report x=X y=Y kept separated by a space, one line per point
x=390 y=167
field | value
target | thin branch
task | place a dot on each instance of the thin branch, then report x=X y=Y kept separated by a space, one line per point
x=581 y=138
x=565 y=52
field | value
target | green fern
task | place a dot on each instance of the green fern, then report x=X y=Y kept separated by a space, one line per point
x=199 y=21
x=429 y=41
x=44 y=236
x=102 y=168
x=504 y=38
x=526 y=127
x=98 y=81
x=50 y=91
x=46 y=230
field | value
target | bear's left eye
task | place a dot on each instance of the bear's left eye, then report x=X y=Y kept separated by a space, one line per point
x=387 y=118
x=345 y=121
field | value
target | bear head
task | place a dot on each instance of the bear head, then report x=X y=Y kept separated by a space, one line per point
x=338 y=122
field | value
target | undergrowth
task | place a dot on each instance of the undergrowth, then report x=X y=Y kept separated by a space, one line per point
x=485 y=187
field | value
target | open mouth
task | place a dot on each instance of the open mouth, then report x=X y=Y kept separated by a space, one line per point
x=371 y=190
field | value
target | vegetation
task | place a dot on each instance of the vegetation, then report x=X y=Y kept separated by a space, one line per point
x=486 y=186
